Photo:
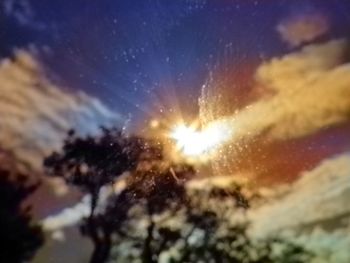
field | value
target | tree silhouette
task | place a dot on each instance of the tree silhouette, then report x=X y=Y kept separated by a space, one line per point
x=155 y=214
x=157 y=190
x=204 y=231
x=92 y=163
x=19 y=237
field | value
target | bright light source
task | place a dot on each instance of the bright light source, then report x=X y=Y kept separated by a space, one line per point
x=196 y=143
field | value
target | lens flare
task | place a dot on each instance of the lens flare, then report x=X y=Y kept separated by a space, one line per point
x=197 y=143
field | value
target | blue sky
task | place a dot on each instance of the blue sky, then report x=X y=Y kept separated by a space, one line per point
x=138 y=54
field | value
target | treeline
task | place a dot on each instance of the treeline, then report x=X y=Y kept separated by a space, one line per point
x=153 y=215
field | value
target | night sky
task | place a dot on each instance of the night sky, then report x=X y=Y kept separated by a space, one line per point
x=145 y=58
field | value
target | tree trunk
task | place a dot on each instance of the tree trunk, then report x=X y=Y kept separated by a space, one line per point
x=102 y=241
x=147 y=255
x=101 y=251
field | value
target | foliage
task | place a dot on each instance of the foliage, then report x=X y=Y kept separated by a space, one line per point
x=93 y=162
x=19 y=237
x=210 y=226
x=90 y=163
x=156 y=216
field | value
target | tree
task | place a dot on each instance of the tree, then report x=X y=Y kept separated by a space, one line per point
x=153 y=191
x=204 y=225
x=156 y=215
x=19 y=237
x=92 y=163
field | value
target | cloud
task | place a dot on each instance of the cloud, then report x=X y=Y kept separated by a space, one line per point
x=320 y=195
x=303 y=28
x=327 y=247
x=309 y=92
x=70 y=216
x=296 y=70
x=36 y=114
x=67 y=217
x=312 y=92
x=315 y=211
x=22 y=12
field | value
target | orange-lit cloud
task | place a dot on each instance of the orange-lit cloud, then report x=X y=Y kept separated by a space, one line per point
x=311 y=92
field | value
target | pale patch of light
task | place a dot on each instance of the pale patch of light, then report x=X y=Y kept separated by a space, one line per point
x=154 y=124
x=58 y=235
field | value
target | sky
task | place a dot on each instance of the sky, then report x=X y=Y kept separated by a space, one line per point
x=126 y=62
x=277 y=69
x=148 y=58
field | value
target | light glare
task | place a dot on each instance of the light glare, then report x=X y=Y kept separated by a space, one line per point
x=195 y=143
